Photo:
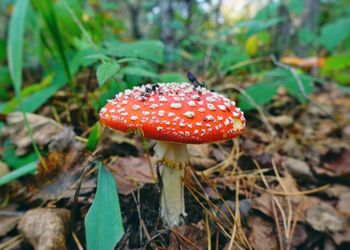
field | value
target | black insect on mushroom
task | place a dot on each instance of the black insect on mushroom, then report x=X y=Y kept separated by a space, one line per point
x=194 y=80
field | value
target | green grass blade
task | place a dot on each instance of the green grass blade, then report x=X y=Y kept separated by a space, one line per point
x=46 y=9
x=106 y=71
x=14 y=175
x=15 y=42
x=103 y=222
x=15 y=55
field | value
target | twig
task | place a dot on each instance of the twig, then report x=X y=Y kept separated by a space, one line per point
x=143 y=227
x=311 y=191
x=218 y=223
x=223 y=200
x=278 y=227
x=198 y=182
x=233 y=215
x=11 y=213
x=229 y=161
x=184 y=239
x=237 y=215
x=294 y=225
x=278 y=204
x=11 y=243
x=207 y=226
x=77 y=241
x=289 y=220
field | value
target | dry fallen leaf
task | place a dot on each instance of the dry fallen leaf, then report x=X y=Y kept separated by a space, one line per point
x=299 y=236
x=298 y=202
x=325 y=218
x=9 y=218
x=46 y=228
x=282 y=120
x=262 y=235
x=200 y=156
x=59 y=181
x=309 y=62
x=118 y=143
x=43 y=130
x=7 y=223
x=132 y=172
x=298 y=169
x=343 y=205
x=342 y=193
x=188 y=237
x=337 y=165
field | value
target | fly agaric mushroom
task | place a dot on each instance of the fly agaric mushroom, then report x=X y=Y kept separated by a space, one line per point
x=174 y=114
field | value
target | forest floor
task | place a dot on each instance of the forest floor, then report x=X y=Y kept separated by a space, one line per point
x=283 y=184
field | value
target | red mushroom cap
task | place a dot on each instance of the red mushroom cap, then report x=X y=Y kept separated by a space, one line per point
x=174 y=112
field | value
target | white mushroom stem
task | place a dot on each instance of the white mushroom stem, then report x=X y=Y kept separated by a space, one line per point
x=174 y=157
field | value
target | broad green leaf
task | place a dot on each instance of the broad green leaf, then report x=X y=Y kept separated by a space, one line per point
x=255 y=26
x=261 y=93
x=336 y=62
x=94 y=137
x=36 y=100
x=29 y=168
x=106 y=71
x=286 y=79
x=148 y=49
x=306 y=36
x=103 y=222
x=268 y=11
x=123 y=60
x=15 y=42
x=332 y=34
x=138 y=72
x=97 y=56
x=231 y=56
x=172 y=77
x=293 y=88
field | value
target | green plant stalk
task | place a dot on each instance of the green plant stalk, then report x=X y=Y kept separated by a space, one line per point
x=15 y=57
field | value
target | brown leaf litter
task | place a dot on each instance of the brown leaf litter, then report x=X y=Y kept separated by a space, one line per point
x=43 y=130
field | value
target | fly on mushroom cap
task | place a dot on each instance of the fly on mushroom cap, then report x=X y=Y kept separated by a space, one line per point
x=174 y=112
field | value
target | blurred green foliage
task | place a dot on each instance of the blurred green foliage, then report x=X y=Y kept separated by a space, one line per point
x=127 y=44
